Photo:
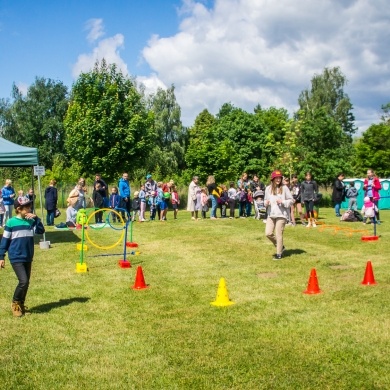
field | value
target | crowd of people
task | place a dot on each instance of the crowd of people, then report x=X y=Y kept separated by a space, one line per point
x=275 y=203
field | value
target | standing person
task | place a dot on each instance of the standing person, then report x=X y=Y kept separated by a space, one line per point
x=191 y=200
x=2 y=209
x=278 y=200
x=103 y=187
x=296 y=194
x=125 y=192
x=150 y=185
x=369 y=210
x=31 y=196
x=309 y=190
x=204 y=201
x=51 y=197
x=338 y=193
x=232 y=194
x=18 y=240
x=8 y=193
x=371 y=186
x=114 y=203
x=223 y=201
x=142 y=199
x=136 y=207
x=212 y=190
x=352 y=194
x=175 y=201
x=98 y=202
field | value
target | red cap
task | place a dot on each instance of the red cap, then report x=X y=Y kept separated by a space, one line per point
x=276 y=174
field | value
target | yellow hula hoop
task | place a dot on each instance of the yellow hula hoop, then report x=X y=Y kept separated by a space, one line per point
x=105 y=246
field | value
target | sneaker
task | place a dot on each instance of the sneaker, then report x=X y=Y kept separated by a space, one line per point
x=378 y=222
x=277 y=257
x=264 y=221
x=314 y=224
x=16 y=309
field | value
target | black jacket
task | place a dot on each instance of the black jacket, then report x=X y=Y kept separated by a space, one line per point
x=338 y=194
x=51 y=196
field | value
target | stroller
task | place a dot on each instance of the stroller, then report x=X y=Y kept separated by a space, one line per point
x=258 y=203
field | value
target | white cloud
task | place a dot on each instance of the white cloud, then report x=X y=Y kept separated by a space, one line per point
x=266 y=52
x=95 y=28
x=106 y=48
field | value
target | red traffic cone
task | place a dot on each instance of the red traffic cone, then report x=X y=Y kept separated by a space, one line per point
x=313 y=287
x=139 y=280
x=369 y=275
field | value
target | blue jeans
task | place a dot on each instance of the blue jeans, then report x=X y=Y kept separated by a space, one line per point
x=50 y=217
x=23 y=272
x=214 y=205
x=337 y=208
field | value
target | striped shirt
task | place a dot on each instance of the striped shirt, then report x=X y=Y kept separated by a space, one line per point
x=18 y=239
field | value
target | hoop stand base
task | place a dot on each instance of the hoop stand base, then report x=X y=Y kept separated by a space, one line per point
x=81 y=267
x=124 y=264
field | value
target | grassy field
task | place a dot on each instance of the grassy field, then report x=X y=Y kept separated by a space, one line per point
x=92 y=331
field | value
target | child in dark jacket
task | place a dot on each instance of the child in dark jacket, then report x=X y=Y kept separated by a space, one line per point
x=98 y=201
x=18 y=240
x=136 y=206
x=114 y=202
x=223 y=201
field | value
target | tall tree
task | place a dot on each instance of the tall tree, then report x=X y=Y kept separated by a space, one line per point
x=327 y=92
x=37 y=119
x=373 y=148
x=326 y=126
x=167 y=156
x=108 y=128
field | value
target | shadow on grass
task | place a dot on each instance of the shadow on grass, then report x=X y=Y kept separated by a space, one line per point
x=58 y=237
x=290 y=252
x=46 y=307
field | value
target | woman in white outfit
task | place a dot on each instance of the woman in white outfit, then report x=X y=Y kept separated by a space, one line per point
x=278 y=200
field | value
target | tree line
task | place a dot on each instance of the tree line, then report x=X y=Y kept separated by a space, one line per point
x=107 y=124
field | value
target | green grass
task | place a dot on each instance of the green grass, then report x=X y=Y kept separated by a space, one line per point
x=92 y=331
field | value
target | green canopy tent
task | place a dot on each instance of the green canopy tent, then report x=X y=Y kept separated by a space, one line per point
x=13 y=155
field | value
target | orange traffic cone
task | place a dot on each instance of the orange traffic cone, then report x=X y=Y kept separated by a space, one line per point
x=313 y=287
x=369 y=275
x=139 y=280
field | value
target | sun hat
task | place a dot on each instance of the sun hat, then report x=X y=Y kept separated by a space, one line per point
x=148 y=176
x=276 y=174
x=366 y=199
x=22 y=201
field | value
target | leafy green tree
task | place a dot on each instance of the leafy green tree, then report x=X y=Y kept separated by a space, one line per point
x=327 y=93
x=326 y=126
x=373 y=148
x=324 y=156
x=36 y=119
x=108 y=127
x=167 y=157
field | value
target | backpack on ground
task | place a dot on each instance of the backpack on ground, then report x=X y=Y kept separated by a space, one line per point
x=349 y=216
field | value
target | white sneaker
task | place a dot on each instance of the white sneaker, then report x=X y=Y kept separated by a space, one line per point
x=314 y=224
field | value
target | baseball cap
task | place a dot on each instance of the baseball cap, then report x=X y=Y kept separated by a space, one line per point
x=22 y=201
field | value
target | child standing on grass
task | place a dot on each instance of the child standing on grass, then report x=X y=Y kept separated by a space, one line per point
x=18 y=240
x=352 y=194
x=98 y=201
x=369 y=210
x=114 y=202
x=232 y=194
x=204 y=202
x=175 y=201
x=309 y=191
x=142 y=199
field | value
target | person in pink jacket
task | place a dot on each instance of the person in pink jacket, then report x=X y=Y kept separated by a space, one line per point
x=371 y=187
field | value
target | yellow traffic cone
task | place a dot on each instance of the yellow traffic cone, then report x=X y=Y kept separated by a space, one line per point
x=222 y=295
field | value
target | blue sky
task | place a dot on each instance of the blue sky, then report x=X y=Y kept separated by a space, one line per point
x=214 y=51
